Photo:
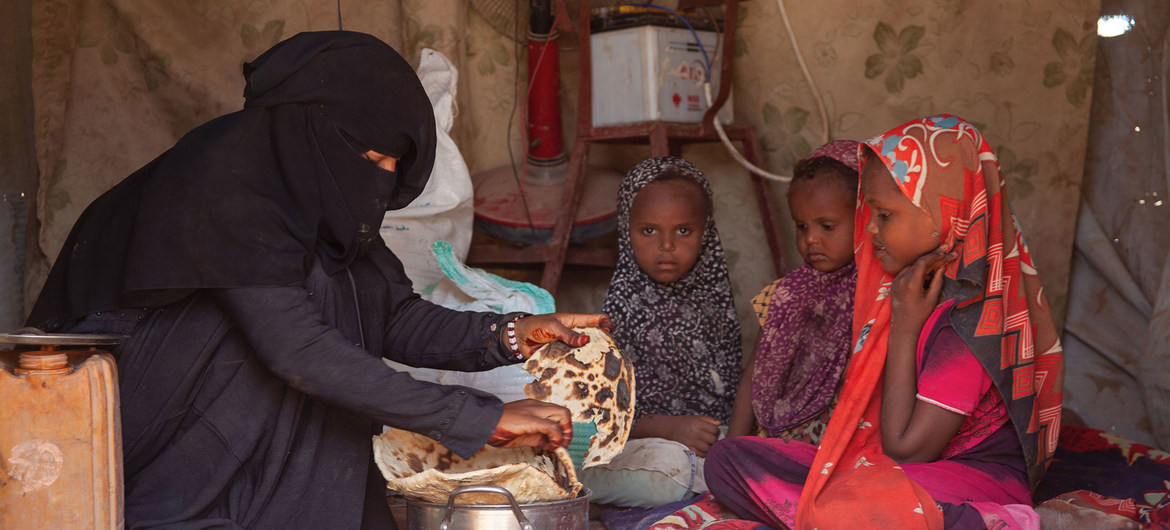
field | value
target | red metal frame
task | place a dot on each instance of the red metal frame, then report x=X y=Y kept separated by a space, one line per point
x=664 y=138
x=544 y=100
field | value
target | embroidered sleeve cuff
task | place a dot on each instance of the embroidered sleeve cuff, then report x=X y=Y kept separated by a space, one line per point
x=499 y=340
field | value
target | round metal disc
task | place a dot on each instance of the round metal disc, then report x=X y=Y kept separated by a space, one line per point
x=37 y=337
x=503 y=211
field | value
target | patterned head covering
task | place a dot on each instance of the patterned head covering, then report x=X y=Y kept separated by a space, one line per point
x=843 y=151
x=683 y=336
x=944 y=165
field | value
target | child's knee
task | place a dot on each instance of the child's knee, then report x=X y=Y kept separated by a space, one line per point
x=723 y=452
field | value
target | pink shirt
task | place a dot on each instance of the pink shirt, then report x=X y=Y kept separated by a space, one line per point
x=949 y=376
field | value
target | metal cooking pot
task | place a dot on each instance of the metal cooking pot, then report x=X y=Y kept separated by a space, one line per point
x=570 y=514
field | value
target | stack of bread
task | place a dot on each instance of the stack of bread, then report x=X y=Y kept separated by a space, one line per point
x=595 y=382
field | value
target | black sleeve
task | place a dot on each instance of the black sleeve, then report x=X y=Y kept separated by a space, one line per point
x=290 y=337
x=420 y=333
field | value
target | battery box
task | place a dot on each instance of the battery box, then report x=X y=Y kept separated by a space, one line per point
x=653 y=73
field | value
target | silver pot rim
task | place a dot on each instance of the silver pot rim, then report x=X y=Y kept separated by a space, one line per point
x=584 y=495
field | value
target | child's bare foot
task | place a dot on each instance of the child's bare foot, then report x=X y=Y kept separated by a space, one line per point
x=1069 y=511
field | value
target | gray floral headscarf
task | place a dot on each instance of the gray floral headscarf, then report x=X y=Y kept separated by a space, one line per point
x=683 y=337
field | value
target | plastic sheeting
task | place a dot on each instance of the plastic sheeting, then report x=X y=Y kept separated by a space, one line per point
x=1117 y=332
x=444 y=210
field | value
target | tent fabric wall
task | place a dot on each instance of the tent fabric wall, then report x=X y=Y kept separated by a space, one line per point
x=118 y=81
x=1117 y=336
x=18 y=176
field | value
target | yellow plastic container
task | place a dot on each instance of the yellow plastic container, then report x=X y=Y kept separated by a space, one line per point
x=60 y=439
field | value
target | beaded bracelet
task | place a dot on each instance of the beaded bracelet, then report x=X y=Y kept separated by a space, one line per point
x=513 y=342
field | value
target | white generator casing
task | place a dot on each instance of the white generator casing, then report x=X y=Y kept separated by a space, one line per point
x=653 y=73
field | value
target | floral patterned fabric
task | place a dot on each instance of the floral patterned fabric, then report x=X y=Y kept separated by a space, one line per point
x=116 y=82
x=804 y=347
x=808 y=431
x=683 y=337
x=1022 y=72
x=1112 y=472
x=811 y=430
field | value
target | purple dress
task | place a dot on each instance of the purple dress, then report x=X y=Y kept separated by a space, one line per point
x=802 y=352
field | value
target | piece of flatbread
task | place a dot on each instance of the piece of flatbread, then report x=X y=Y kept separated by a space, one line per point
x=595 y=382
x=424 y=470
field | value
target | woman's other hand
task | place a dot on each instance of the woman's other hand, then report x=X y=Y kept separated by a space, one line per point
x=536 y=330
x=532 y=423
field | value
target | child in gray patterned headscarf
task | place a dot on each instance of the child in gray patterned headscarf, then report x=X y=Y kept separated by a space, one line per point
x=670 y=301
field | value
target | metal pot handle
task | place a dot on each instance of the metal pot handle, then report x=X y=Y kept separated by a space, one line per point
x=520 y=518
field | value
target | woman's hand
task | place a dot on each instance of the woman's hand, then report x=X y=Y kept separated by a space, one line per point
x=532 y=423
x=916 y=290
x=536 y=330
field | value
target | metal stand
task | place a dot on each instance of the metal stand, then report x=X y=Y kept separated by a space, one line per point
x=664 y=138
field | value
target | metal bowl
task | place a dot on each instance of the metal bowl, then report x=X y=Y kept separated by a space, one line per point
x=569 y=514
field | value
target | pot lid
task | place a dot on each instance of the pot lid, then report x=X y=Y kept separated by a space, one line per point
x=37 y=337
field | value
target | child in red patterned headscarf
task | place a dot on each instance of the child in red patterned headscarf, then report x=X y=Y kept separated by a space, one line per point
x=951 y=405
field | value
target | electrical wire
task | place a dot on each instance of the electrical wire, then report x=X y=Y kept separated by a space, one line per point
x=511 y=119
x=812 y=85
x=519 y=177
x=532 y=75
x=338 y=15
x=715 y=24
x=735 y=154
x=706 y=59
x=540 y=58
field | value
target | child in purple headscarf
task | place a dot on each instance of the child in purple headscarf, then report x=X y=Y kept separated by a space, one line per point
x=804 y=346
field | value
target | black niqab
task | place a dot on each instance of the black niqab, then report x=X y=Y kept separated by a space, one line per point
x=249 y=198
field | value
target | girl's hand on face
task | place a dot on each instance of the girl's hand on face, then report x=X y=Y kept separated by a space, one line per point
x=696 y=432
x=532 y=423
x=536 y=330
x=916 y=290
x=913 y=430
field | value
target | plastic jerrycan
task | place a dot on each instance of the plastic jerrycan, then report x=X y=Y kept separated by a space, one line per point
x=60 y=432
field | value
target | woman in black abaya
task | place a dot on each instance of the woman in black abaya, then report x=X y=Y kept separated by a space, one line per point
x=246 y=267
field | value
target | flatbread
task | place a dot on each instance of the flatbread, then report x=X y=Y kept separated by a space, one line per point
x=595 y=382
x=424 y=470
